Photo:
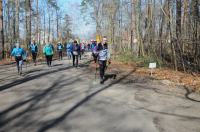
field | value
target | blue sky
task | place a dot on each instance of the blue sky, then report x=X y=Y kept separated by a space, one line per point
x=79 y=27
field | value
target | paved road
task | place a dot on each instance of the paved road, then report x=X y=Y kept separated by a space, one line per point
x=67 y=99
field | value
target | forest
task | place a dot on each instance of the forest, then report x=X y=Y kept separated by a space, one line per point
x=165 y=31
x=26 y=20
x=168 y=31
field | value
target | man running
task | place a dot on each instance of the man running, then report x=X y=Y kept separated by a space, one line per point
x=103 y=57
x=59 y=49
x=18 y=53
x=34 y=50
x=48 y=52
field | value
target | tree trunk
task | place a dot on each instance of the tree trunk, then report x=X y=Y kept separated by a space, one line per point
x=17 y=21
x=37 y=27
x=49 y=26
x=44 y=28
x=28 y=22
x=195 y=17
x=57 y=27
x=1 y=31
x=178 y=32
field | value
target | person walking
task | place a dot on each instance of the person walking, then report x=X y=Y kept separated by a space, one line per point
x=94 y=50
x=75 y=53
x=69 y=49
x=60 y=49
x=82 y=46
x=34 y=50
x=103 y=57
x=18 y=53
x=48 y=52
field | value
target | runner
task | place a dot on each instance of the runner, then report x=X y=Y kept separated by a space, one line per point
x=34 y=50
x=94 y=50
x=69 y=49
x=48 y=52
x=59 y=49
x=18 y=53
x=75 y=53
x=88 y=47
x=82 y=45
x=103 y=57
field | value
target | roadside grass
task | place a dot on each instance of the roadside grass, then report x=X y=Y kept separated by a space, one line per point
x=128 y=57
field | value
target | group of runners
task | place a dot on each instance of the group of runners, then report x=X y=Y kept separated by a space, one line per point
x=74 y=51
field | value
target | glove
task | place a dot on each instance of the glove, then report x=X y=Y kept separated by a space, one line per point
x=109 y=62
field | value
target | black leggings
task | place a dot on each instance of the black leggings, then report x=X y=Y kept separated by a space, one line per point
x=60 y=55
x=102 y=67
x=18 y=59
x=49 y=59
x=75 y=58
x=95 y=57
x=34 y=56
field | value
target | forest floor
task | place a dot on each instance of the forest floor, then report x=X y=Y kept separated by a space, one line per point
x=166 y=75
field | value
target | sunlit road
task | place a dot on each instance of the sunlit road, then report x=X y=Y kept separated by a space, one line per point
x=67 y=99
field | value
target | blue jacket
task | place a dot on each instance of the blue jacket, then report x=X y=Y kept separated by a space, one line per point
x=17 y=52
x=33 y=48
x=93 y=45
x=48 y=49
x=69 y=47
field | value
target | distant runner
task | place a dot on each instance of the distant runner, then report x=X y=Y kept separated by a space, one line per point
x=69 y=49
x=60 y=49
x=48 y=51
x=82 y=45
x=94 y=50
x=75 y=53
x=18 y=53
x=34 y=50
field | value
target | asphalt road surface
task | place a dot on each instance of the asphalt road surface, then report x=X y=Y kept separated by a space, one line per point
x=67 y=99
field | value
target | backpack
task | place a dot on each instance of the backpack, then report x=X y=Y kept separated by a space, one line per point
x=48 y=50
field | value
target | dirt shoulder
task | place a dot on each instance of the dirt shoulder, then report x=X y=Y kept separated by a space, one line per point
x=171 y=77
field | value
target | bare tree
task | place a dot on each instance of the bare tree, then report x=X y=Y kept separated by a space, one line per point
x=1 y=31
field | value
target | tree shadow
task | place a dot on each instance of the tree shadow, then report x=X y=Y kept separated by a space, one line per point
x=51 y=123
x=188 y=93
x=30 y=78
x=34 y=100
x=31 y=71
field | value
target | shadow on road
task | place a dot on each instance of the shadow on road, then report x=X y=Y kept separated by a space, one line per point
x=35 y=102
x=30 y=78
x=52 y=123
x=188 y=93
